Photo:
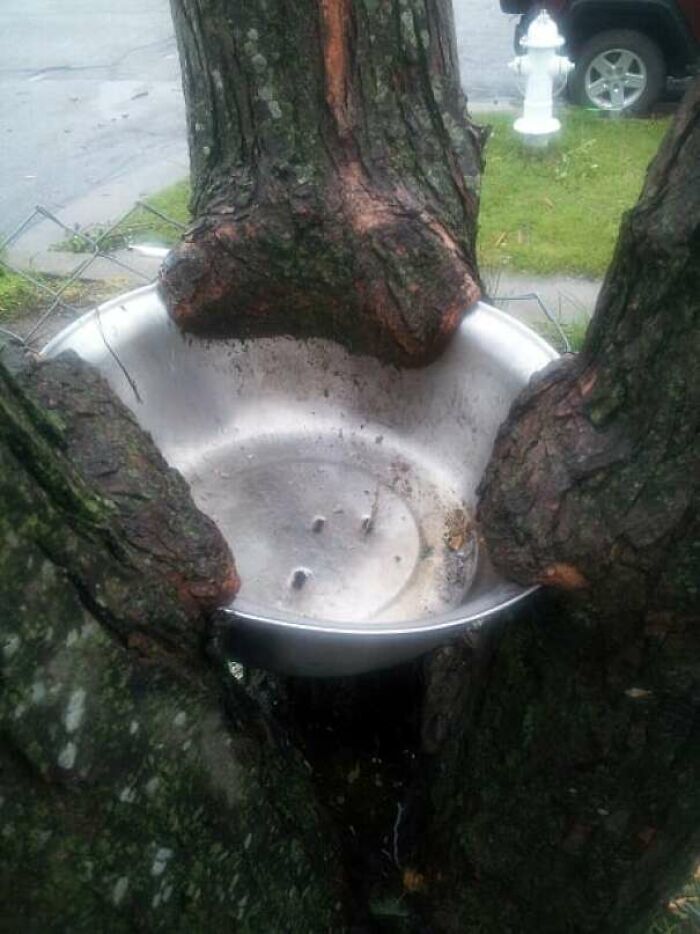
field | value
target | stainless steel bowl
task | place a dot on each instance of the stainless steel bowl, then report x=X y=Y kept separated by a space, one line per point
x=344 y=486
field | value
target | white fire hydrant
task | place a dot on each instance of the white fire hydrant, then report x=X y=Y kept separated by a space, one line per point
x=541 y=66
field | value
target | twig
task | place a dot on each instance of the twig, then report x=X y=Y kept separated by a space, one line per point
x=397 y=822
x=116 y=358
x=530 y=297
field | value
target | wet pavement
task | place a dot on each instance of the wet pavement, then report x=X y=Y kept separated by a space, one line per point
x=91 y=109
x=90 y=101
x=485 y=45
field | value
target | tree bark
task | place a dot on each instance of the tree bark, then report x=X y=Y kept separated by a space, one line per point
x=335 y=174
x=567 y=792
x=140 y=788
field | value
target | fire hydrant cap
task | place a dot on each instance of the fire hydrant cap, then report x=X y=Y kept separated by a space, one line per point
x=543 y=34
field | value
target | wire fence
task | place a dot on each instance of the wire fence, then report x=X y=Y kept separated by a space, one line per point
x=98 y=244
x=552 y=318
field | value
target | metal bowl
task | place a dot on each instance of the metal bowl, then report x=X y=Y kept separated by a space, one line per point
x=344 y=486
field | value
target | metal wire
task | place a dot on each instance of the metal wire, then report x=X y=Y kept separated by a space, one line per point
x=55 y=295
x=97 y=250
x=12 y=335
x=161 y=215
x=534 y=297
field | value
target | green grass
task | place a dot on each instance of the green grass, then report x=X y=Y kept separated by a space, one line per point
x=141 y=226
x=575 y=332
x=19 y=297
x=545 y=212
x=558 y=210
x=16 y=295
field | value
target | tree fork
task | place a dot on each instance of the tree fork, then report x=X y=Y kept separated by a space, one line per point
x=335 y=174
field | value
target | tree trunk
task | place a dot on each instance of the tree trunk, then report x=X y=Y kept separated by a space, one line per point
x=335 y=174
x=568 y=789
x=140 y=789
x=335 y=192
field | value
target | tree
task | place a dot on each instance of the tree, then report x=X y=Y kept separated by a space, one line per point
x=569 y=790
x=335 y=174
x=335 y=180
x=140 y=789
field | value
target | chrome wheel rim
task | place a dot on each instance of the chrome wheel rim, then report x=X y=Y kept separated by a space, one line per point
x=615 y=79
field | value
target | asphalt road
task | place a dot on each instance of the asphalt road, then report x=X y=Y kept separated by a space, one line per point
x=485 y=44
x=91 y=110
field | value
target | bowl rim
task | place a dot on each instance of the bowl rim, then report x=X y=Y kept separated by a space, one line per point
x=254 y=613
x=242 y=610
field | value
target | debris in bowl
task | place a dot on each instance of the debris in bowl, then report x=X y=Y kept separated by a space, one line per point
x=458 y=529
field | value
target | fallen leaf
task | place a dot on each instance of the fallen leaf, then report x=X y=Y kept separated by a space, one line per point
x=563 y=575
x=458 y=527
x=637 y=693
x=413 y=881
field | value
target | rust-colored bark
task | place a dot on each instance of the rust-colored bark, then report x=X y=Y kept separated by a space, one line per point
x=336 y=21
x=335 y=175
x=594 y=477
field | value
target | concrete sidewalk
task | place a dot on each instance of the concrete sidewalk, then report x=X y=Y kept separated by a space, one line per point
x=570 y=299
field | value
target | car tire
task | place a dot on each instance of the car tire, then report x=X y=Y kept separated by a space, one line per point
x=619 y=69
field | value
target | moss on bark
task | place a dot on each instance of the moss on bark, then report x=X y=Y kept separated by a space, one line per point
x=140 y=788
x=335 y=174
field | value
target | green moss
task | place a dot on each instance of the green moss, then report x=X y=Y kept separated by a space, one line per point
x=127 y=788
x=151 y=803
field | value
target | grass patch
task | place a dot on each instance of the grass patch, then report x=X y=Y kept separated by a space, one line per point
x=140 y=227
x=16 y=295
x=575 y=331
x=559 y=210
x=20 y=298
x=545 y=212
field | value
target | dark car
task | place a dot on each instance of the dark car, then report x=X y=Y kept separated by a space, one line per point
x=624 y=50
